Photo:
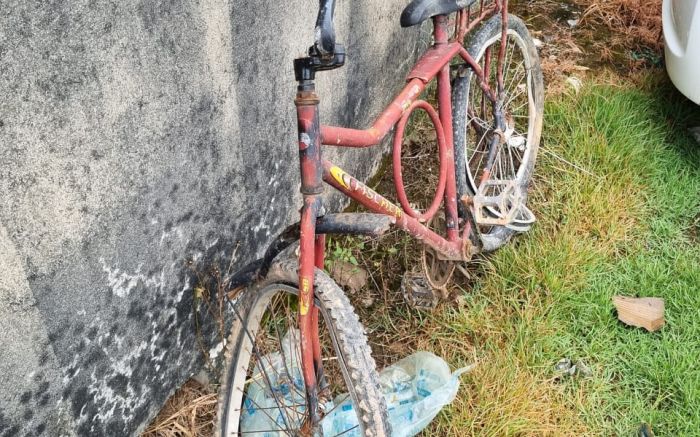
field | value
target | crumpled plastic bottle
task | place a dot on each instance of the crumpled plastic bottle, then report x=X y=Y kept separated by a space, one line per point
x=416 y=388
x=277 y=380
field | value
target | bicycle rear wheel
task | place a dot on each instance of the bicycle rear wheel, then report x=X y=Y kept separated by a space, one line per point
x=523 y=110
x=263 y=391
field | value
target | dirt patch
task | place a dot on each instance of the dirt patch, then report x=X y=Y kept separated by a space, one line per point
x=577 y=36
x=694 y=231
x=634 y=24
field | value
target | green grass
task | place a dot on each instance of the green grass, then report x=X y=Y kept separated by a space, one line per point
x=637 y=141
x=623 y=226
x=617 y=195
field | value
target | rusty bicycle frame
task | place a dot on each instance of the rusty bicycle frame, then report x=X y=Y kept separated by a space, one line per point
x=315 y=171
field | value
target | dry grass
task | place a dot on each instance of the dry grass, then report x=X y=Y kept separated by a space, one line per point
x=190 y=412
x=634 y=24
x=561 y=52
x=583 y=37
x=511 y=401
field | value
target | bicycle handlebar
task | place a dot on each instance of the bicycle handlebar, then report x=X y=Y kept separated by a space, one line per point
x=325 y=32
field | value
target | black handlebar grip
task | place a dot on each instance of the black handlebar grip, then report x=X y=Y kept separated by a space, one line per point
x=325 y=31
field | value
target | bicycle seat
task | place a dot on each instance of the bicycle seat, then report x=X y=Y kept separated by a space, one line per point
x=420 y=10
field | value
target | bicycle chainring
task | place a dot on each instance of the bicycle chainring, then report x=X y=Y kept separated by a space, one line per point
x=437 y=271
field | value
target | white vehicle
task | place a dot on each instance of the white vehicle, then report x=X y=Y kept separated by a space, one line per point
x=681 y=25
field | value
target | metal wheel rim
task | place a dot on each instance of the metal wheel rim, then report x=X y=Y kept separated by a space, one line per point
x=245 y=353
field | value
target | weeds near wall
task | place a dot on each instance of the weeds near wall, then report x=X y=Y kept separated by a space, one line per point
x=209 y=308
x=191 y=411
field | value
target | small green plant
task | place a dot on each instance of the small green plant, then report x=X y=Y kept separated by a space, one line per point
x=342 y=251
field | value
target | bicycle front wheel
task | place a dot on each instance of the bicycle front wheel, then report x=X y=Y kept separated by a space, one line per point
x=263 y=390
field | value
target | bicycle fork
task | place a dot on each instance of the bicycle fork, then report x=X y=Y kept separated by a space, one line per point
x=311 y=246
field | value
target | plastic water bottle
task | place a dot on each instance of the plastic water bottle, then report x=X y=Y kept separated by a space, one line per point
x=415 y=389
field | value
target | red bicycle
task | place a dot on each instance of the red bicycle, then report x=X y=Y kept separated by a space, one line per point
x=298 y=362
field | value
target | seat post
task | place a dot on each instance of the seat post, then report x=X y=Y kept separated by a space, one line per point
x=440 y=31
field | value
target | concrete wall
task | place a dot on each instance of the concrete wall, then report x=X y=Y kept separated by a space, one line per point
x=135 y=136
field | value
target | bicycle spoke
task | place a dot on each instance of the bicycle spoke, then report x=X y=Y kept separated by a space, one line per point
x=485 y=132
x=518 y=155
x=512 y=164
x=269 y=408
x=480 y=122
x=511 y=98
x=337 y=405
x=262 y=367
x=513 y=79
x=482 y=154
x=263 y=431
x=499 y=155
x=509 y=59
x=287 y=419
x=295 y=352
x=269 y=384
x=347 y=431
x=259 y=407
x=284 y=360
x=522 y=105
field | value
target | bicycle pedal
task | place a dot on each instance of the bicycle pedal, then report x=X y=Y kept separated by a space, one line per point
x=501 y=203
x=523 y=221
x=417 y=291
